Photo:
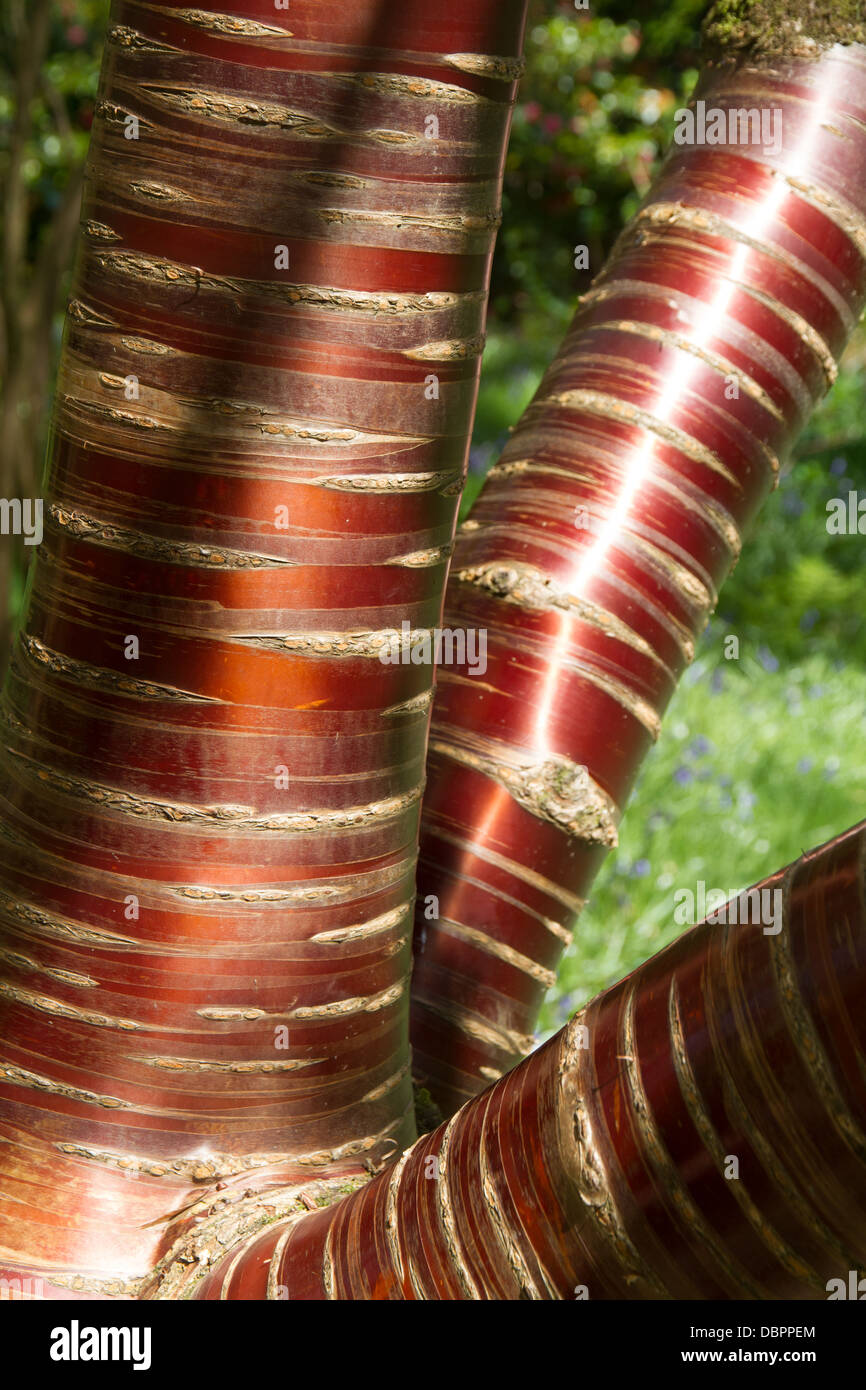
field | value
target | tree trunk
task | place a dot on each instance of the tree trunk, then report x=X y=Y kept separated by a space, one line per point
x=211 y=779
x=209 y=822
x=595 y=552
x=698 y=1131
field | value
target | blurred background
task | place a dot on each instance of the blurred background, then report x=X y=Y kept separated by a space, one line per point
x=761 y=757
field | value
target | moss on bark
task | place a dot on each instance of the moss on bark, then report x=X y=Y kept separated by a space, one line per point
x=773 y=29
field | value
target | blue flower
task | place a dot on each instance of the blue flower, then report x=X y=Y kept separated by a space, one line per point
x=805 y=765
x=768 y=661
x=641 y=868
x=683 y=776
x=480 y=457
x=792 y=504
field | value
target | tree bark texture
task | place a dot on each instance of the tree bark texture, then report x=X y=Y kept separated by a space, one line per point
x=600 y=1167
x=595 y=552
x=211 y=782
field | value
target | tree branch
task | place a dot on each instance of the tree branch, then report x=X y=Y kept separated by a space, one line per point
x=697 y=1131
x=596 y=550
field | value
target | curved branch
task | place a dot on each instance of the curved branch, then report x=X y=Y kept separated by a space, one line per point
x=596 y=550
x=697 y=1131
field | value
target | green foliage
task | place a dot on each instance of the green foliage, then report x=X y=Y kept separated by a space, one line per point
x=62 y=113
x=798 y=588
x=50 y=54
x=595 y=112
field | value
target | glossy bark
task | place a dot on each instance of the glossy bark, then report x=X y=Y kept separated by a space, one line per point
x=210 y=780
x=595 y=552
x=697 y=1132
x=209 y=841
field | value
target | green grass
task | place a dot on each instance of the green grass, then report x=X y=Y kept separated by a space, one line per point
x=753 y=766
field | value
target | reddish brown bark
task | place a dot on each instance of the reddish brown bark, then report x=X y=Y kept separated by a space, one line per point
x=601 y=1166
x=596 y=550
x=214 y=842
x=207 y=845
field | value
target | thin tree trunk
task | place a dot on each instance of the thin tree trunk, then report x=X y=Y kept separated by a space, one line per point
x=595 y=553
x=697 y=1131
x=211 y=781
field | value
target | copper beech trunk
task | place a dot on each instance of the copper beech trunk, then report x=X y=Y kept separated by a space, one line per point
x=212 y=781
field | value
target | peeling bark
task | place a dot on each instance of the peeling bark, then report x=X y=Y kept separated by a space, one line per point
x=595 y=552
x=208 y=834
x=218 y=850
x=601 y=1166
